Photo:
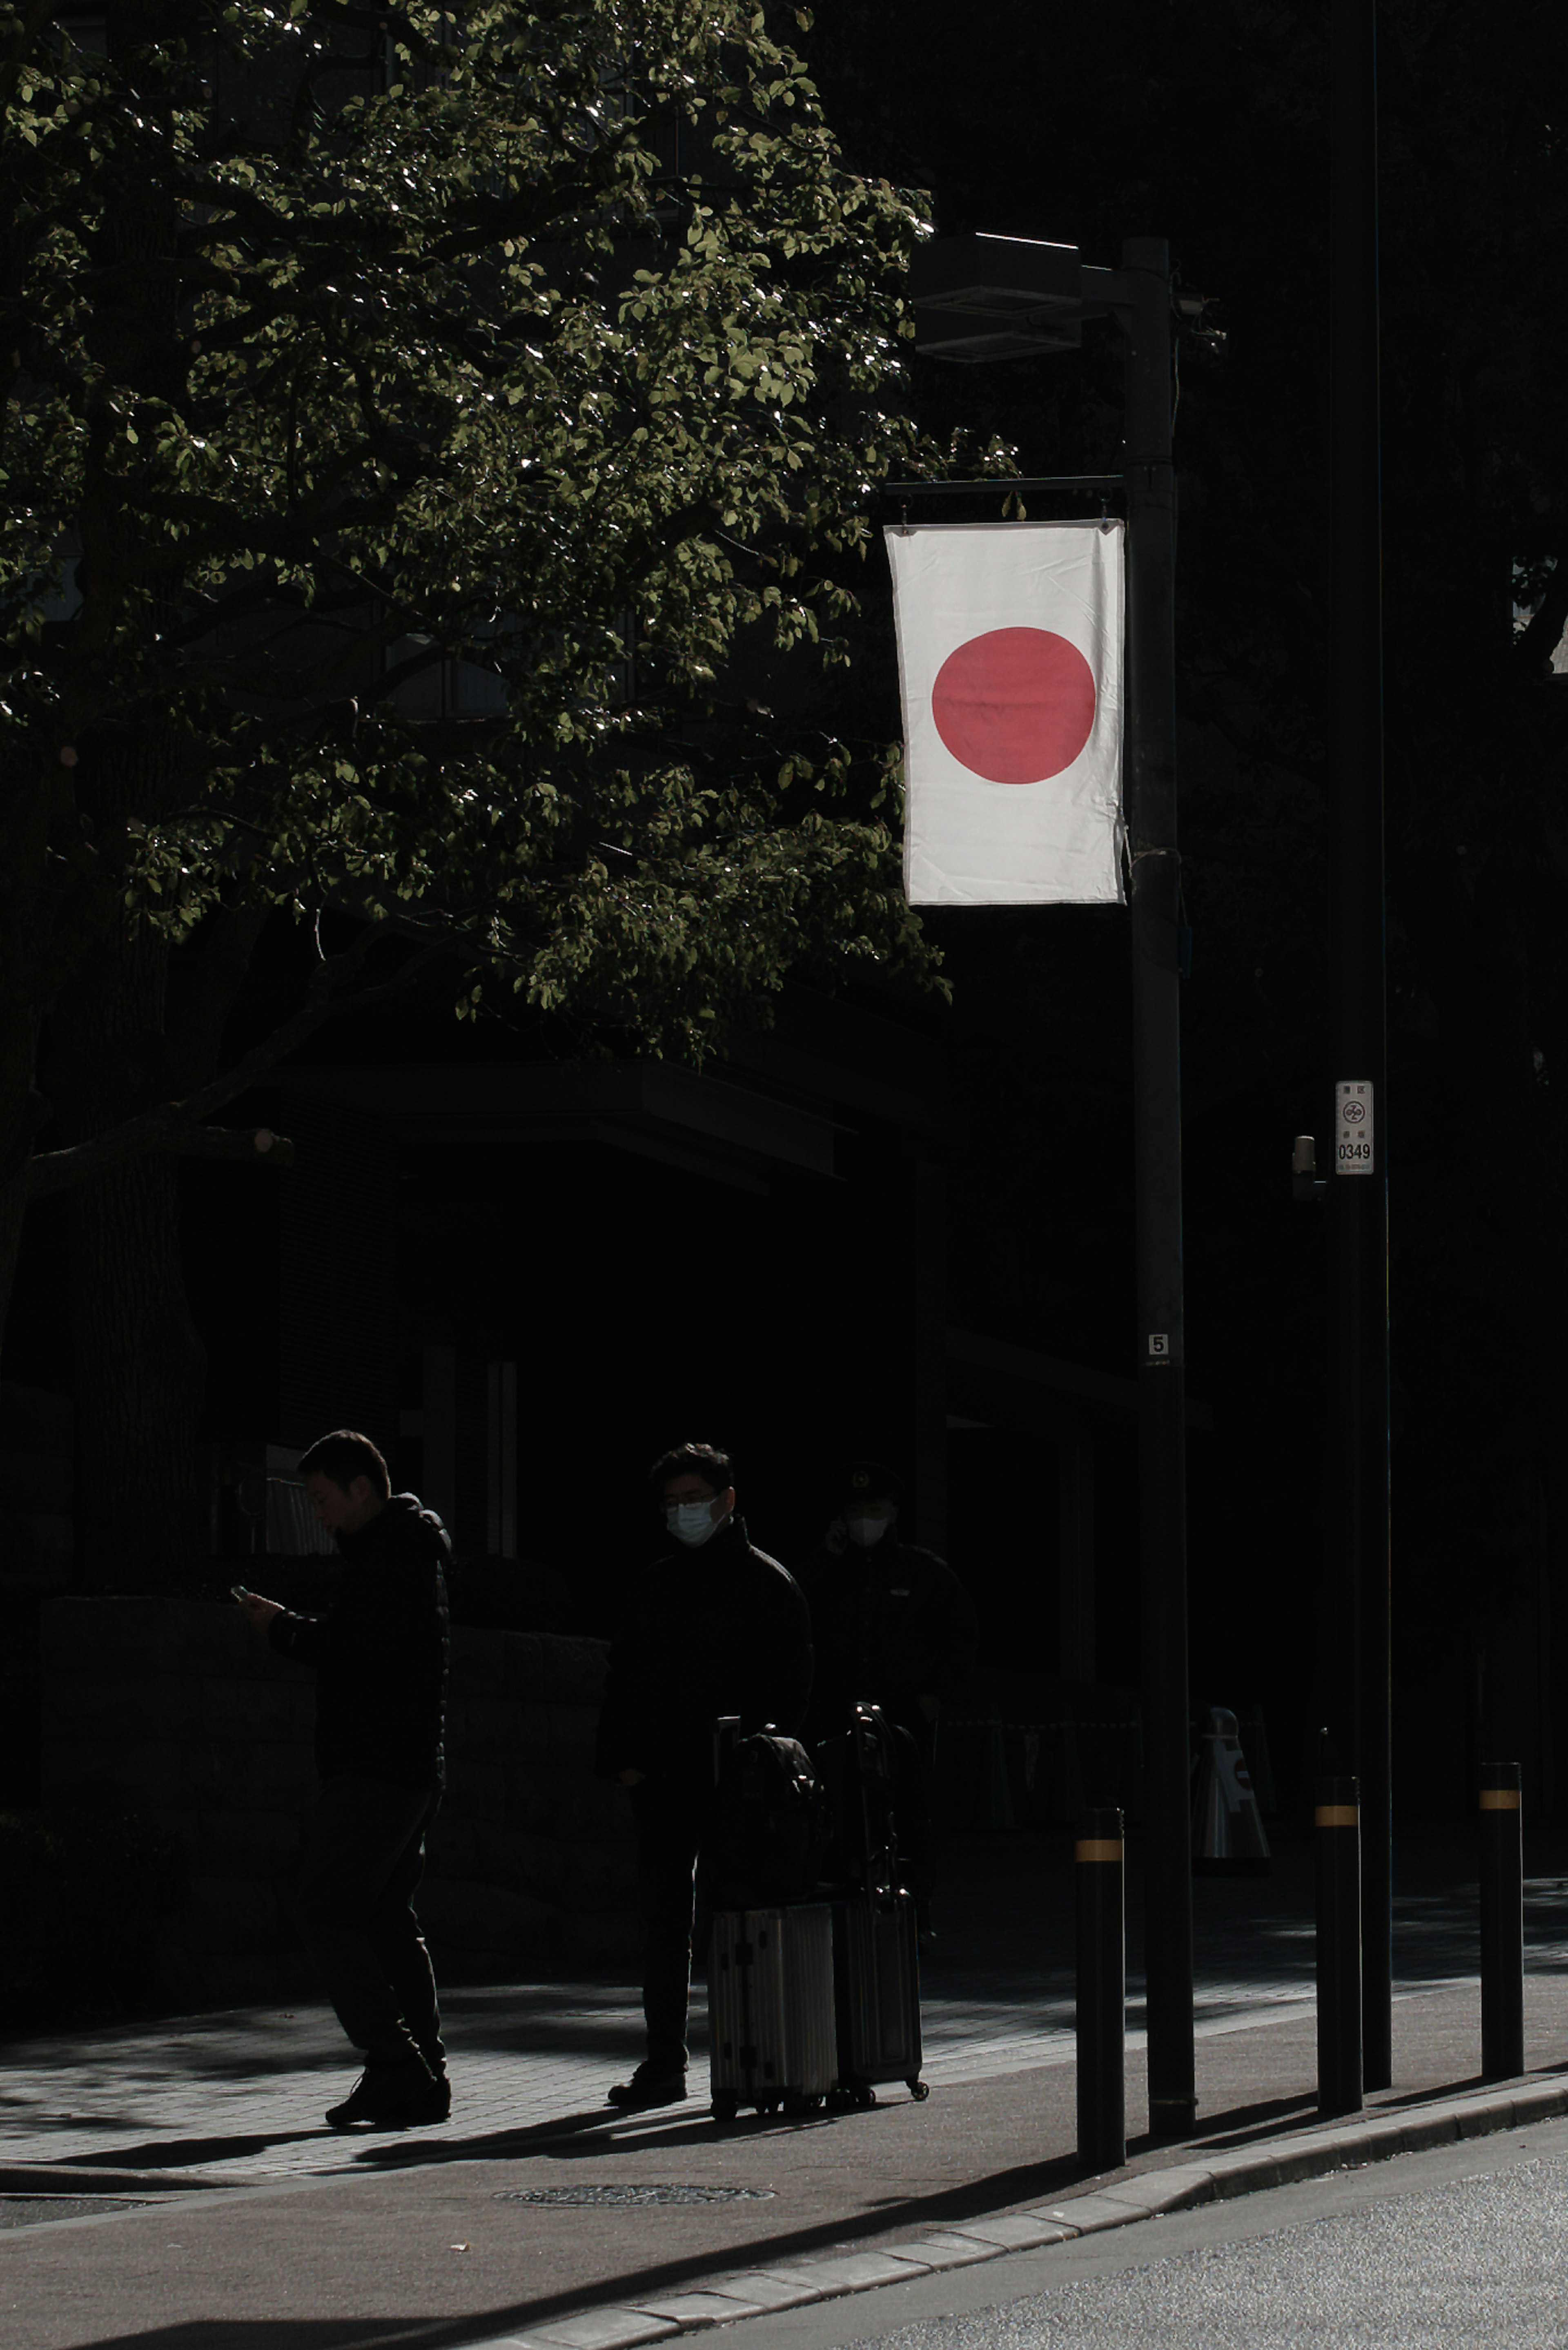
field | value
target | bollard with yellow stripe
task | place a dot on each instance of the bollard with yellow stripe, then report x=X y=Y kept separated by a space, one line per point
x=1500 y=1858
x=1101 y=1935
x=1336 y=1823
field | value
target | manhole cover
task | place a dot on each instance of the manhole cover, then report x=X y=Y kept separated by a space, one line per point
x=622 y=2196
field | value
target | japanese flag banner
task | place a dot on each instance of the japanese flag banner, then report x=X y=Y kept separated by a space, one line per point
x=1010 y=665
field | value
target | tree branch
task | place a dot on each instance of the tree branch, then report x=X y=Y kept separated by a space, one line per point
x=180 y=1125
x=162 y=1132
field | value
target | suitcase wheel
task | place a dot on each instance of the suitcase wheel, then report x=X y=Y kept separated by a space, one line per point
x=726 y=2105
x=848 y=2096
x=918 y=2090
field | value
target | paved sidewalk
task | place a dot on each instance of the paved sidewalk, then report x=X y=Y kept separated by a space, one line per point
x=541 y=2216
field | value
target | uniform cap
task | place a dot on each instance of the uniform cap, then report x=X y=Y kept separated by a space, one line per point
x=868 y=1481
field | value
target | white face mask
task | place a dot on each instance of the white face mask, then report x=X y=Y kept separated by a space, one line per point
x=691 y=1522
x=865 y=1531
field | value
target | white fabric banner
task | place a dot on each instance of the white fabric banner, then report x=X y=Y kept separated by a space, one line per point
x=1010 y=665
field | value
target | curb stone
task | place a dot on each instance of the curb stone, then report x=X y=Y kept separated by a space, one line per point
x=98 y=2178
x=719 y=2300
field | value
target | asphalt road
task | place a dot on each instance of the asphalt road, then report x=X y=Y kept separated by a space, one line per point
x=1465 y=2246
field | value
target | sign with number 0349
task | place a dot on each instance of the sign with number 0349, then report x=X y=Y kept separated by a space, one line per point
x=1353 y=1142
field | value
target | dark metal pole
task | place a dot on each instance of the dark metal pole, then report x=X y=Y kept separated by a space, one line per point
x=1101 y=1933
x=1357 y=1517
x=1498 y=1821
x=1337 y=1838
x=1157 y=1111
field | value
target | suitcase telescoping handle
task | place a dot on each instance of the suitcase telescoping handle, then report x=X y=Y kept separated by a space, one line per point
x=726 y=1738
x=870 y=1736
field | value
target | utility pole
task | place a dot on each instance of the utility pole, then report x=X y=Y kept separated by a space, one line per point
x=1357 y=1518
x=1156 y=899
x=982 y=298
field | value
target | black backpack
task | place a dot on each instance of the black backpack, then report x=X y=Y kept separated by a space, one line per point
x=864 y=1775
x=764 y=1846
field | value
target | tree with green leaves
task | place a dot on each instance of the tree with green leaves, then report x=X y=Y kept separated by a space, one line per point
x=436 y=442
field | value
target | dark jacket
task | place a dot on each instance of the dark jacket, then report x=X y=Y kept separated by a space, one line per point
x=891 y=1623
x=719 y=1629
x=380 y=1650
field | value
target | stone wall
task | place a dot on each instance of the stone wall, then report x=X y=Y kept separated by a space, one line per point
x=171 y=1709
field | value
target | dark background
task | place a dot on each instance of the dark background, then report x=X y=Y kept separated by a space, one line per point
x=775 y=1309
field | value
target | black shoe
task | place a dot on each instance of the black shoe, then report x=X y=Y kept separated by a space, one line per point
x=435 y=2059
x=648 y=2087
x=394 y=2096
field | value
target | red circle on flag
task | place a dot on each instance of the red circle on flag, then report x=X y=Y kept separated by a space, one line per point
x=1014 y=706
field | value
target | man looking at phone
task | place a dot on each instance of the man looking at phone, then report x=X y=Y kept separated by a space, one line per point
x=379 y=1653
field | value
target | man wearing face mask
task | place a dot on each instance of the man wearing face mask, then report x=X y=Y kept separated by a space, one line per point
x=714 y=1628
x=895 y=1627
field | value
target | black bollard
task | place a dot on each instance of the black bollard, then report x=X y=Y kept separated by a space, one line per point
x=1500 y=1824
x=1102 y=1992
x=1338 y=1840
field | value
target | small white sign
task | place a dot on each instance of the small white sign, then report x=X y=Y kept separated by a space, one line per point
x=1352 y=1139
x=1160 y=1346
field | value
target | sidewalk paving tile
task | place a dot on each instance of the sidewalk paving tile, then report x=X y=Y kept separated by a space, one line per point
x=710 y=2306
x=1084 y=2213
x=1015 y=2231
x=602 y=2329
x=1164 y=2191
x=938 y=2251
x=767 y=2289
x=512 y=2342
x=846 y=2272
x=1472 y=2119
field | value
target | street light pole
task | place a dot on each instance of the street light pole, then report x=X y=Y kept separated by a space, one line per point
x=981 y=299
x=1358 y=1529
x=1155 y=903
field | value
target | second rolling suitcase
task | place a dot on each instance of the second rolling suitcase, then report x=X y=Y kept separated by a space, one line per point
x=876 y=1991
x=877 y=1972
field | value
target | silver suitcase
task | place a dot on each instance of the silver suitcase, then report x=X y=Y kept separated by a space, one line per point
x=771 y=2021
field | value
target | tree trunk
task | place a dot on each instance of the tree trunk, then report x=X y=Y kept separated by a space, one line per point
x=22 y=1109
x=13 y=1210
x=140 y=1366
x=141 y=1379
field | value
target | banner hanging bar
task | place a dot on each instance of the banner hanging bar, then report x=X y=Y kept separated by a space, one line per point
x=1041 y=482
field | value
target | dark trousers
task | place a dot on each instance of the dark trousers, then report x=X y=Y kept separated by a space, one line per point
x=670 y=1817
x=364 y=1856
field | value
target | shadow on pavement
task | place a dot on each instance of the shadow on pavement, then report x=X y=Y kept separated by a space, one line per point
x=1240 y=2124
x=599 y=2131
x=950 y=2207
x=189 y=2153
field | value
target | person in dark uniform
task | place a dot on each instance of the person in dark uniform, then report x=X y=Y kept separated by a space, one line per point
x=379 y=1653
x=714 y=1627
x=894 y=1627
